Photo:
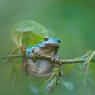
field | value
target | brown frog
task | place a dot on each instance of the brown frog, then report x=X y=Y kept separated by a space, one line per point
x=42 y=67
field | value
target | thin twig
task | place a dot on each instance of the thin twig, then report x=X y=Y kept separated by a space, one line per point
x=9 y=58
x=59 y=61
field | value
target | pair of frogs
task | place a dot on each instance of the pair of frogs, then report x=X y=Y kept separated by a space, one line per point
x=42 y=67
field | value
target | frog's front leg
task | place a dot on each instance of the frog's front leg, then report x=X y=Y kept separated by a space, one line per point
x=30 y=52
x=55 y=56
x=35 y=51
x=31 y=66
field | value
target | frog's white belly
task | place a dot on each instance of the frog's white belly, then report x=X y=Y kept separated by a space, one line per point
x=39 y=67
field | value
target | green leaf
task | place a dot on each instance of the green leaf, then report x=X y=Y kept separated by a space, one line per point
x=29 y=32
x=32 y=26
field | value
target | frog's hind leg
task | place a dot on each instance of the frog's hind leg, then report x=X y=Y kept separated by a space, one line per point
x=25 y=65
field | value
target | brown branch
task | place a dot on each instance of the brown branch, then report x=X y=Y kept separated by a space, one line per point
x=59 y=61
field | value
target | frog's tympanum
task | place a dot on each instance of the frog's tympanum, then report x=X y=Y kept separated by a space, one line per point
x=42 y=67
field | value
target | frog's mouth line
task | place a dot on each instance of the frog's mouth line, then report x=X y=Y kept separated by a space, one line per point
x=52 y=45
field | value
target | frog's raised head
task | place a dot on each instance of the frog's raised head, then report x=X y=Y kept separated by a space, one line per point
x=48 y=43
x=52 y=42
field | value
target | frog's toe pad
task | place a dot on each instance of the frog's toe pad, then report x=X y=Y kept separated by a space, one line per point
x=54 y=59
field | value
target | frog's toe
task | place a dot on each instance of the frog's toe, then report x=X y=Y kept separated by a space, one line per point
x=54 y=59
x=32 y=56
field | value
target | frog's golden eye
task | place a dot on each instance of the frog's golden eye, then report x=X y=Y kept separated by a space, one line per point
x=46 y=38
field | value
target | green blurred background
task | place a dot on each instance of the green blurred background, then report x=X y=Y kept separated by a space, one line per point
x=73 y=21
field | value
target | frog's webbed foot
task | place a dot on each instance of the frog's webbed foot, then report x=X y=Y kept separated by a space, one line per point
x=32 y=55
x=54 y=59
